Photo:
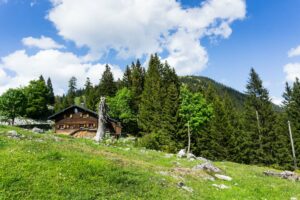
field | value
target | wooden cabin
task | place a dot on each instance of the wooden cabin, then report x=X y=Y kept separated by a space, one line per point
x=82 y=122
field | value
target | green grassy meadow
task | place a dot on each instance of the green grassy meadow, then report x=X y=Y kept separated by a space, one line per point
x=49 y=166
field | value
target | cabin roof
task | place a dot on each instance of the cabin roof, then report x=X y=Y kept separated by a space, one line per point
x=72 y=107
x=81 y=108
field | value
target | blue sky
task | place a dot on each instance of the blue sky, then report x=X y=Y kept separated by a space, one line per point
x=221 y=39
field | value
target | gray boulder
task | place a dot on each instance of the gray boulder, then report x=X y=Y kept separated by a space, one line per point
x=207 y=167
x=223 y=177
x=14 y=134
x=37 y=130
x=181 y=153
x=221 y=186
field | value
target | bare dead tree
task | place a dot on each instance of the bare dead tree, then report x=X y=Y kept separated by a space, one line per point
x=102 y=119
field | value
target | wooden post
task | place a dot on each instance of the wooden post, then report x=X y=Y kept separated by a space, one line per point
x=292 y=144
x=189 y=138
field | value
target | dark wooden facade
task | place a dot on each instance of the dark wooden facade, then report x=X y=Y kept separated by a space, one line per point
x=81 y=122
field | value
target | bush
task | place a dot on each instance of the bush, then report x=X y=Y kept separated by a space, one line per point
x=157 y=141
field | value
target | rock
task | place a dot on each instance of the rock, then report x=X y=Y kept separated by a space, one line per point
x=223 y=177
x=37 y=130
x=183 y=186
x=285 y=175
x=207 y=167
x=181 y=153
x=14 y=134
x=221 y=186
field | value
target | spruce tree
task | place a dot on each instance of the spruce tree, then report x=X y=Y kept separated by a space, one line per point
x=71 y=91
x=149 y=117
x=294 y=116
x=259 y=119
x=126 y=81
x=51 y=93
x=107 y=85
x=137 y=84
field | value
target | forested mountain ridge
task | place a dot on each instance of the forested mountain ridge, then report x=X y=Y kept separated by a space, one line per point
x=201 y=83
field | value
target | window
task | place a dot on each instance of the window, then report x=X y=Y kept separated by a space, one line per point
x=75 y=110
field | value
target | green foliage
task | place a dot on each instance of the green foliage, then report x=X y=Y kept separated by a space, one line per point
x=13 y=104
x=37 y=99
x=71 y=91
x=150 y=109
x=194 y=109
x=259 y=118
x=51 y=96
x=119 y=108
x=107 y=85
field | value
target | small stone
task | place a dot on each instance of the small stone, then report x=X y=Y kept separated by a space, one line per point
x=181 y=153
x=221 y=186
x=223 y=177
x=183 y=186
x=207 y=167
x=37 y=130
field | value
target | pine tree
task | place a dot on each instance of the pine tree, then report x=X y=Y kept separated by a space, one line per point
x=149 y=117
x=293 y=111
x=51 y=93
x=259 y=120
x=126 y=81
x=137 y=84
x=107 y=85
x=71 y=91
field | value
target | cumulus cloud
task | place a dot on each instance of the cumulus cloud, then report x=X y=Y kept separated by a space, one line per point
x=136 y=28
x=60 y=66
x=41 y=43
x=277 y=100
x=292 y=70
x=294 y=52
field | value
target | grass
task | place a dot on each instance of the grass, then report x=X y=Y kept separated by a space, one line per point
x=49 y=166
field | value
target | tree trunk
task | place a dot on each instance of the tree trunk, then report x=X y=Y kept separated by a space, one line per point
x=189 y=138
x=101 y=120
x=292 y=144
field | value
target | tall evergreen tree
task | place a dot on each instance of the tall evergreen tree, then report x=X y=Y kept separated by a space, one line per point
x=126 y=81
x=71 y=91
x=137 y=84
x=259 y=119
x=51 y=93
x=149 y=117
x=107 y=85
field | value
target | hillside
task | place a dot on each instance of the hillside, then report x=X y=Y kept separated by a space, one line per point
x=48 y=166
x=200 y=83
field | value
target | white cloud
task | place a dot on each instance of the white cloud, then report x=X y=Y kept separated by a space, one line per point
x=60 y=66
x=292 y=70
x=294 y=52
x=134 y=28
x=41 y=43
x=277 y=100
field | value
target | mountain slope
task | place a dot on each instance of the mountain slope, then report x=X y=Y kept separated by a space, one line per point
x=200 y=83
x=49 y=166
